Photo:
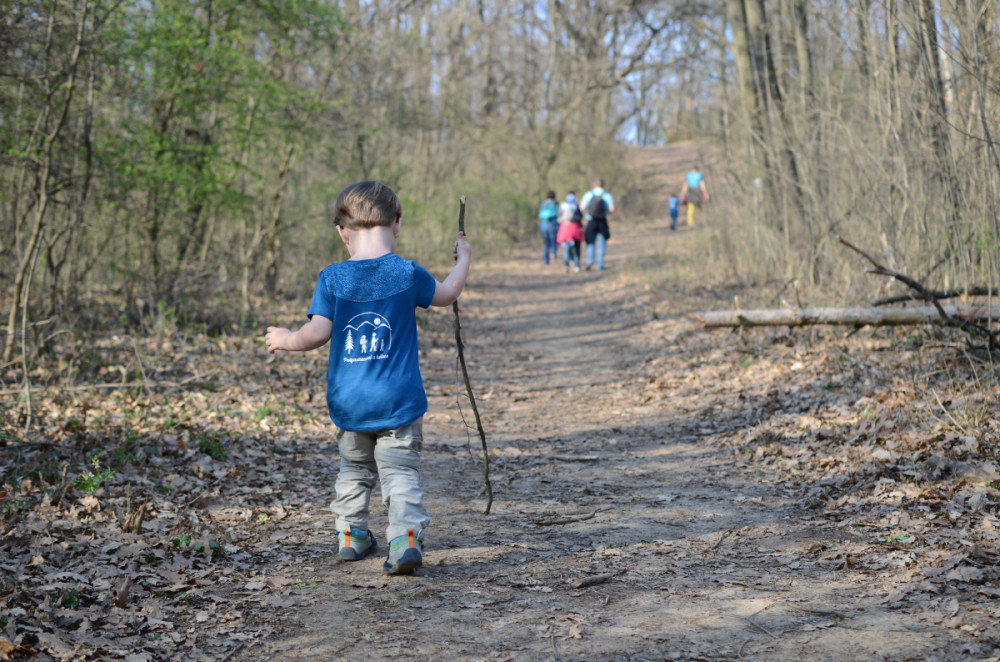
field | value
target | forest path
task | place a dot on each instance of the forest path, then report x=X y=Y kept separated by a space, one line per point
x=597 y=401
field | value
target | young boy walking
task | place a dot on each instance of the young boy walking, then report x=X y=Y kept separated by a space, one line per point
x=674 y=208
x=375 y=393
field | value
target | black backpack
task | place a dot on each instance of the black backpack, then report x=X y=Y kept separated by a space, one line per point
x=597 y=207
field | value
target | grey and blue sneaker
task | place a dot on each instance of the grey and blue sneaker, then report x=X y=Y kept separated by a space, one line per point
x=356 y=544
x=404 y=555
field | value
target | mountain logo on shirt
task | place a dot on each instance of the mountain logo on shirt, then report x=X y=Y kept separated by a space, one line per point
x=367 y=335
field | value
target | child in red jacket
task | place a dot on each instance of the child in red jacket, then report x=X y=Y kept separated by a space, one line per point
x=570 y=234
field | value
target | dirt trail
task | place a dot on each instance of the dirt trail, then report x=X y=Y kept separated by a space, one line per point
x=599 y=476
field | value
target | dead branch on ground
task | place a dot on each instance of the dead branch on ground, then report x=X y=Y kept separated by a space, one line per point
x=854 y=316
x=969 y=326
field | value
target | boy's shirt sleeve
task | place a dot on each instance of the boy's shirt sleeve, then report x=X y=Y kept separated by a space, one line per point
x=423 y=287
x=322 y=303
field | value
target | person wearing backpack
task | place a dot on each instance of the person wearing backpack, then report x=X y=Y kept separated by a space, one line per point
x=596 y=205
x=694 y=192
x=548 y=225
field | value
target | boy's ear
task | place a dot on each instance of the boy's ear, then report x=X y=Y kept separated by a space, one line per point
x=396 y=227
x=345 y=236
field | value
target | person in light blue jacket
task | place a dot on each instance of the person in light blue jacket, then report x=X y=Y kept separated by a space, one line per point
x=596 y=205
x=548 y=225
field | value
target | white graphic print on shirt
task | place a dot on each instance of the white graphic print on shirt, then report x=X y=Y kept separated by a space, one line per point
x=367 y=336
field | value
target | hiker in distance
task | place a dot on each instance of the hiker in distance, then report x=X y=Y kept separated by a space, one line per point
x=673 y=206
x=694 y=193
x=548 y=225
x=375 y=393
x=596 y=205
x=570 y=232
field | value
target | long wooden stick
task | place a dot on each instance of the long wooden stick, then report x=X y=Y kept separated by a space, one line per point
x=468 y=384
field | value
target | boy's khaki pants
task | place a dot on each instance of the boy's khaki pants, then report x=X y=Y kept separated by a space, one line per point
x=393 y=457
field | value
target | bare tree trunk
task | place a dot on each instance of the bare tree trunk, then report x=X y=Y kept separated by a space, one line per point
x=20 y=291
x=272 y=241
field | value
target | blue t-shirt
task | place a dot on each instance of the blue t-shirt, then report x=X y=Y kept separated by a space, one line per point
x=674 y=202
x=694 y=179
x=373 y=380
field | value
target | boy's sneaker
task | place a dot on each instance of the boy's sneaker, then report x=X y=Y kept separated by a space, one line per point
x=404 y=555
x=356 y=544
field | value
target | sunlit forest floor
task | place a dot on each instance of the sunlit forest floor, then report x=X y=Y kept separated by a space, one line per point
x=660 y=491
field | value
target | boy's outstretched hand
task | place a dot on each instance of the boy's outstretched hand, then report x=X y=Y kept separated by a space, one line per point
x=274 y=339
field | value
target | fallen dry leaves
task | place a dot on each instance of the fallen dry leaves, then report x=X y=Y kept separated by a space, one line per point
x=894 y=435
x=147 y=513
x=156 y=475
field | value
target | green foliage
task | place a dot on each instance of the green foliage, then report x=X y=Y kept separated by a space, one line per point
x=91 y=481
x=71 y=600
x=264 y=411
x=213 y=445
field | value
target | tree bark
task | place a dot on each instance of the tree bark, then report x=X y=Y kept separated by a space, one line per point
x=843 y=316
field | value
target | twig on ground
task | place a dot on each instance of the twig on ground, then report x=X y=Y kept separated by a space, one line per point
x=575 y=458
x=940 y=403
x=142 y=370
x=591 y=581
x=146 y=384
x=818 y=612
x=565 y=520
x=725 y=534
x=468 y=384
x=763 y=629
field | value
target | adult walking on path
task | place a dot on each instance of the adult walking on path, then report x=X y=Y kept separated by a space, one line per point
x=596 y=205
x=694 y=192
x=548 y=225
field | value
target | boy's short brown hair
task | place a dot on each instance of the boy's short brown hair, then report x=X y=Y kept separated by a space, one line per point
x=367 y=205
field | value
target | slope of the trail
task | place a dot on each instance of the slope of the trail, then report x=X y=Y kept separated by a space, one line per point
x=620 y=529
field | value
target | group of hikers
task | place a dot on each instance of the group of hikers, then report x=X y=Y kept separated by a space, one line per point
x=562 y=224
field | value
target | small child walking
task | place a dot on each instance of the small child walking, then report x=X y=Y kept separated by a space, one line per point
x=570 y=234
x=674 y=206
x=375 y=393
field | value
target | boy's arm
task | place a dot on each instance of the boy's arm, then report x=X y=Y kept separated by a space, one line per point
x=448 y=292
x=314 y=333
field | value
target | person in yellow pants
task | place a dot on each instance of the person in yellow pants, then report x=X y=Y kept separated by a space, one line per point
x=694 y=192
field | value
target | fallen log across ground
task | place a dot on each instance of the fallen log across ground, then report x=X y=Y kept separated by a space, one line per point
x=855 y=316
